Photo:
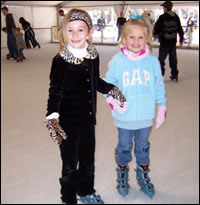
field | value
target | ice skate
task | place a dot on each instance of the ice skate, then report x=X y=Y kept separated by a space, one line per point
x=174 y=78
x=122 y=177
x=8 y=56
x=122 y=180
x=144 y=181
x=18 y=59
x=91 y=199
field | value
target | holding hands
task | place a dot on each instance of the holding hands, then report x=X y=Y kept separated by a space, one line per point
x=117 y=101
x=116 y=105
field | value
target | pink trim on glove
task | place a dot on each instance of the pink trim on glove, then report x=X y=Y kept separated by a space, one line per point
x=116 y=105
x=111 y=106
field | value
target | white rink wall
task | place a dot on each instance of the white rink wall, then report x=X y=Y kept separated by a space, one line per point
x=40 y=18
x=43 y=15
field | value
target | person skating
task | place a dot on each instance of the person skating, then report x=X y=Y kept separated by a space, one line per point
x=166 y=29
x=138 y=75
x=71 y=109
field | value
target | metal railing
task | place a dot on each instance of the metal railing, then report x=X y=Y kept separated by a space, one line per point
x=109 y=35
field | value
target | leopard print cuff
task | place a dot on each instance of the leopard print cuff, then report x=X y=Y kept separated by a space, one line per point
x=116 y=94
x=55 y=130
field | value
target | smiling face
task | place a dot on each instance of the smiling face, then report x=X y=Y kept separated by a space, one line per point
x=77 y=33
x=136 y=38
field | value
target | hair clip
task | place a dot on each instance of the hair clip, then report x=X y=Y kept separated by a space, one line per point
x=137 y=16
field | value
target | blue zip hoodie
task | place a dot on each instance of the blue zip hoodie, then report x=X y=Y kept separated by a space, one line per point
x=141 y=82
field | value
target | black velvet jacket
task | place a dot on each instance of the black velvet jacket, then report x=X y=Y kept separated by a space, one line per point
x=73 y=91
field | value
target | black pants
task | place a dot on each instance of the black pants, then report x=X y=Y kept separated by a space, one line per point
x=77 y=153
x=30 y=36
x=163 y=52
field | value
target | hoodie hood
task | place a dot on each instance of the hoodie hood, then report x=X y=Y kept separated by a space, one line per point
x=171 y=13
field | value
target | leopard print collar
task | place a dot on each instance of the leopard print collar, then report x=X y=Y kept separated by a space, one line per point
x=70 y=58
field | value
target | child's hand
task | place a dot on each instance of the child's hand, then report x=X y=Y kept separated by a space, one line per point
x=161 y=116
x=117 y=94
x=55 y=130
x=116 y=105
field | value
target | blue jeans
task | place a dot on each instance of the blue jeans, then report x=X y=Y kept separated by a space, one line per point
x=119 y=32
x=12 y=45
x=20 y=51
x=125 y=145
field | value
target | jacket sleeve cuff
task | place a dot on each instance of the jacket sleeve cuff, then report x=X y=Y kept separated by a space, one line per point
x=162 y=104
x=54 y=115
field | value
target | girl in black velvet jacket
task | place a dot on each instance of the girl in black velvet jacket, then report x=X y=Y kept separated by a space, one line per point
x=71 y=110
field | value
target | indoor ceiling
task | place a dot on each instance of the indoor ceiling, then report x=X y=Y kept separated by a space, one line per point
x=90 y=3
x=32 y=3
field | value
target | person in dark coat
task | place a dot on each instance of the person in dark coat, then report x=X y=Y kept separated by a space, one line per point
x=71 y=108
x=120 y=22
x=10 y=29
x=166 y=29
x=101 y=23
x=29 y=33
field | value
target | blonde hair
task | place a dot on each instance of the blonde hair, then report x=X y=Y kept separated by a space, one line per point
x=147 y=27
x=67 y=18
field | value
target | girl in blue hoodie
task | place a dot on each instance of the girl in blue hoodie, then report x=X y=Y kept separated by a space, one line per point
x=137 y=73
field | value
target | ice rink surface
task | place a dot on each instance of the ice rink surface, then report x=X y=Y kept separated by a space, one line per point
x=31 y=164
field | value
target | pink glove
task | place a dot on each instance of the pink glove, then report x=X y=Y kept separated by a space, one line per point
x=115 y=105
x=161 y=115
